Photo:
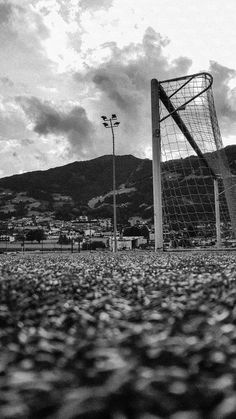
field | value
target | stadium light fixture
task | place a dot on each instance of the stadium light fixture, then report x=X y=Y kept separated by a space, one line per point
x=111 y=125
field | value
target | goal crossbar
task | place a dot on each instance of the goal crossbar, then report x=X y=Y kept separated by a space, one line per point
x=188 y=79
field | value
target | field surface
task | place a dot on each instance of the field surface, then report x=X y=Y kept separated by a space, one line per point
x=130 y=336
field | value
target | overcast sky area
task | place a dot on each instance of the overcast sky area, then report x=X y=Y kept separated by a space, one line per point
x=64 y=63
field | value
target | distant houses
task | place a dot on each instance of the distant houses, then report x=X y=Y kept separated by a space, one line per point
x=50 y=233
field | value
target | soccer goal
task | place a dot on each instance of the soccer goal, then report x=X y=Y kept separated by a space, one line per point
x=194 y=190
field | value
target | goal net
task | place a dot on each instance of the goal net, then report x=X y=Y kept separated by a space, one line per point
x=198 y=191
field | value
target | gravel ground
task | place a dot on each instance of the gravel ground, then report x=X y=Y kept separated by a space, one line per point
x=131 y=336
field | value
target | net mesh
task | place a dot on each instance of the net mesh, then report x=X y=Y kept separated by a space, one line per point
x=188 y=173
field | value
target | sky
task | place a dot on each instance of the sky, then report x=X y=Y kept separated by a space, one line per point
x=64 y=63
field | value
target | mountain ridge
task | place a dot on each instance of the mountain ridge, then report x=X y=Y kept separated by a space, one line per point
x=67 y=190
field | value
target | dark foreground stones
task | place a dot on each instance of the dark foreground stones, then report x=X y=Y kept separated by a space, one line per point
x=135 y=335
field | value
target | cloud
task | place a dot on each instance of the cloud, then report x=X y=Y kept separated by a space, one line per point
x=22 y=54
x=27 y=155
x=123 y=84
x=14 y=18
x=26 y=142
x=74 y=123
x=5 y=12
x=125 y=78
x=129 y=70
x=6 y=81
x=225 y=97
x=74 y=8
x=115 y=86
x=12 y=121
x=95 y=4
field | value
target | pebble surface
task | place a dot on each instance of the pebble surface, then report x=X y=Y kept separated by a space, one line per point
x=136 y=335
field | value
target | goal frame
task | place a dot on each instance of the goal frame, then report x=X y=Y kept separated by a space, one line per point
x=158 y=94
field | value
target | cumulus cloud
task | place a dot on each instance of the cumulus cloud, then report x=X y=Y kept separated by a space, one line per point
x=5 y=12
x=12 y=121
x=129 y=70
x=19 y=150
x=225 y=97
x=74 y=123
x=5 y=81
x=123 y=82
x=22 y=55
x=95 y=4
x=26 y=142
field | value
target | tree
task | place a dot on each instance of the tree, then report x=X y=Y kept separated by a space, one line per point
x=21 y=209
x=35 y=235
x=98 y=244
x=144 y=230
x=63 y=239
x=132 y=231
x=64 y=213
x=20 y=237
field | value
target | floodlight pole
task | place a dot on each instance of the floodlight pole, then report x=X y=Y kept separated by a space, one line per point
x=109 y=123
x=156 y=165
x=114 y=187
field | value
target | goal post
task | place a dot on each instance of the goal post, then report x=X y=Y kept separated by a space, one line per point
x=156 y=166
x=194 y=190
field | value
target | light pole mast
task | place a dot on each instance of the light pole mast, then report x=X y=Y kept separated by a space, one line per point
x=114 y=187
x=109 y=123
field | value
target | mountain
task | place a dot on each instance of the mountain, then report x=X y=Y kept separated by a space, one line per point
x=86 y=186
x=71 y=188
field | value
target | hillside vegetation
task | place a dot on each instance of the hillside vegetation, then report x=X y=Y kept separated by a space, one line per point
x=69 y=189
